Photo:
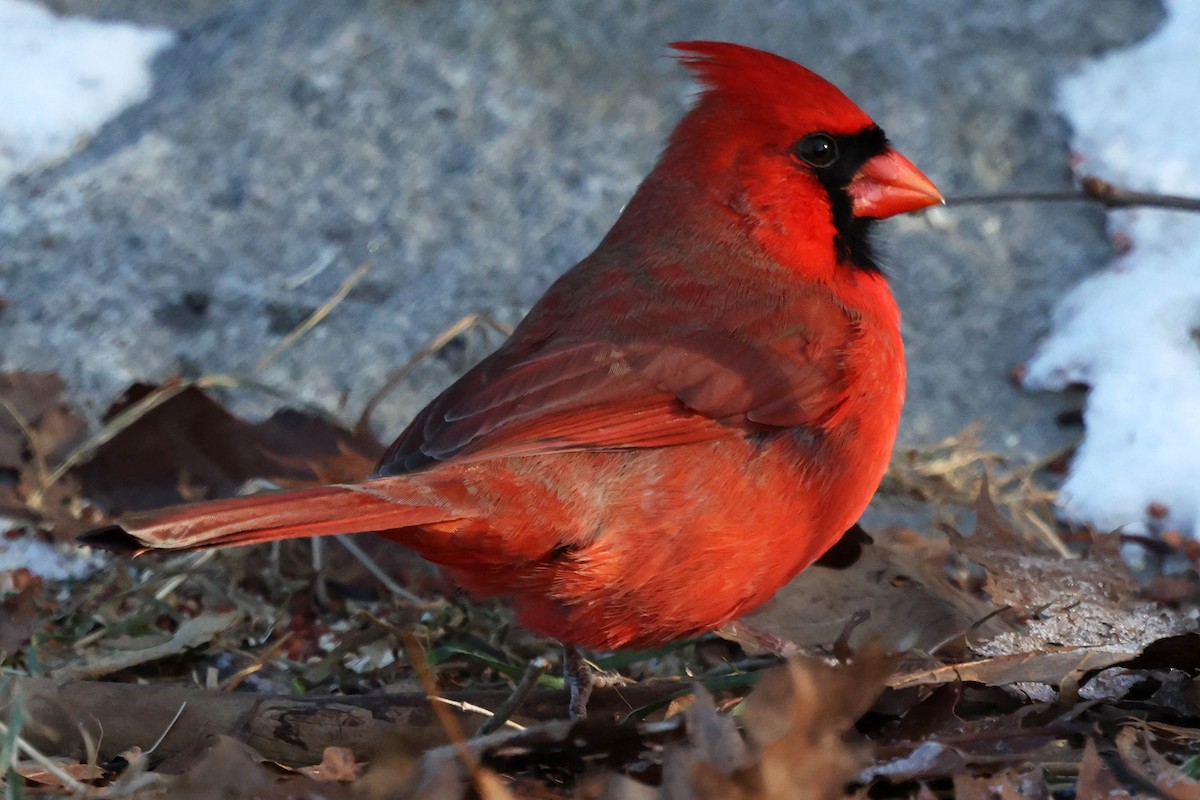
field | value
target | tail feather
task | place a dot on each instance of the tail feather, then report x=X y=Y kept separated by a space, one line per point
x=111 y=538
x=268 y=517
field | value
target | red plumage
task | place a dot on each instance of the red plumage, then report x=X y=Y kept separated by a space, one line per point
x=688 y=417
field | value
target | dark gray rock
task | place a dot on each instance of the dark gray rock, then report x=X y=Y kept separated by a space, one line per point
x=473 y=150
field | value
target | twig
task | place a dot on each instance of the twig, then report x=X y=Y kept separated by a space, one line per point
x=381 y=576
x=485 y=782
x=471 y=708
x=319 y=265
x=320 y=586
x=841 y=646
x=198 y=560
x=314 y=319
x=974 y=626
x=533 y=673
x=1049 y=535
x=355 y=721
x=91 y=746
x=167 y=730
x=235 y=680
x=1091 y=190
x=430 y=349
x=450 y=726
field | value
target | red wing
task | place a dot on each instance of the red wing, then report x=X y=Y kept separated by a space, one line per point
x=699 y=385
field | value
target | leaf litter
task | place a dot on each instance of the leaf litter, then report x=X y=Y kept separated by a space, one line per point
x=1022 y=659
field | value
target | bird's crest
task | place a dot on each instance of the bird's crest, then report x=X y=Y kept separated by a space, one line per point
x=758 y=78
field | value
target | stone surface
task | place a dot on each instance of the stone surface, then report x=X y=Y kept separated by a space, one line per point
x=473 y=150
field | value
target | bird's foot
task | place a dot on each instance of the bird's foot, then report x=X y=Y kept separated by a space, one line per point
x=583 y=677
x=580 y=681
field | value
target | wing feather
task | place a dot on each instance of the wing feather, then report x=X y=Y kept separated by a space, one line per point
x=725 y=365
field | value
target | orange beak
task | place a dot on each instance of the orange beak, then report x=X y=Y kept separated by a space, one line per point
x=889 y=184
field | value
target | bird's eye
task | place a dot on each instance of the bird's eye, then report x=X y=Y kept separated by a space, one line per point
x=816 y=149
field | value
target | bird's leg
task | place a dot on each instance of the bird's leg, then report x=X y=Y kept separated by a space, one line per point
x=579 y=681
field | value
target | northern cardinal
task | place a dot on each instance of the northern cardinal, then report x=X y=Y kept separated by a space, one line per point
x=686 y=419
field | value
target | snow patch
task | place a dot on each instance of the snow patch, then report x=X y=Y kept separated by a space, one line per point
x=50 y=562
x=62 y=78
x=1132 y=332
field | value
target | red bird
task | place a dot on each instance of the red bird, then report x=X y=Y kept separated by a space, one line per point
x=686 y=419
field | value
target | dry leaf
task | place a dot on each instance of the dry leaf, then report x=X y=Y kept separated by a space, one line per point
x=901 y=581
x=1095 y=779
x=797 y=720
x=99 y=661
x=37 y=399
x=337 y=764
x=1048 y=667
x=714 y=736
x=1170 y=779
x=38 y=773
x=191 y=447
x=37 y=429
x=21 y=615
x=1001 y=786
x=227 y=769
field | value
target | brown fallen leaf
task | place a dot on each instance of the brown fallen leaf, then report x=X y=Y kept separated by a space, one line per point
x=1087 y=601
x=1001 y=551
x=798 y=741
x=714 y=750
x=1095 y=779
x=228 y=768
x=190 y=447
x=38 y=773
x=1004 y=785
x=337 y=764
x=35 y=422
x=1169 y=778
x=900 y=579
x=102 y=660
x=798 y=721
x=1024 y=572
x=21 y=615
x=1048 y=667
x=714 y=736
x=37 y=429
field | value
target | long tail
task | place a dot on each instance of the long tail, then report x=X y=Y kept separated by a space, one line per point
x=346 y=508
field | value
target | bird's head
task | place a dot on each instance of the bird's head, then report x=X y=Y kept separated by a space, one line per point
x=789 y=153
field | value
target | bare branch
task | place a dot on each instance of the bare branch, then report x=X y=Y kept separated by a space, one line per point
x=281 y=728
x=1091 y=190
